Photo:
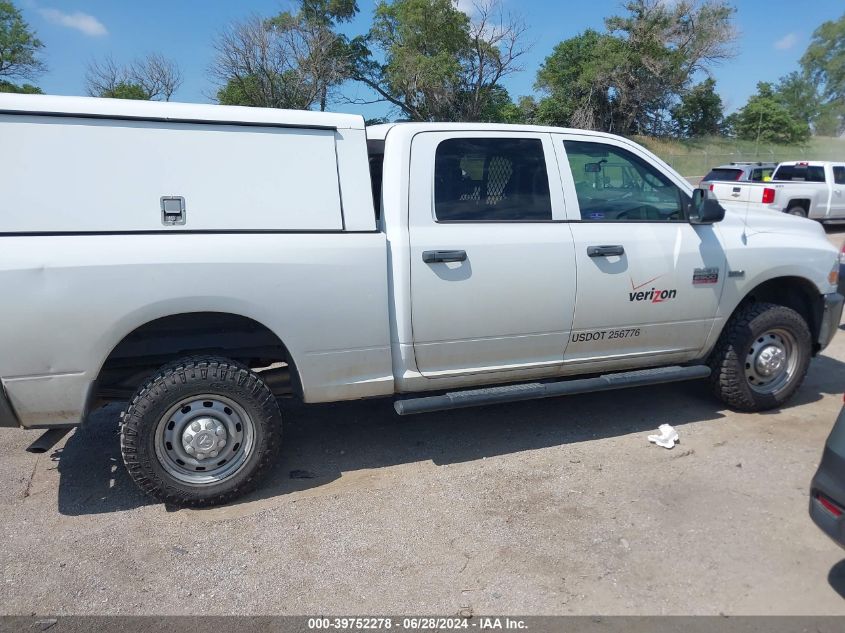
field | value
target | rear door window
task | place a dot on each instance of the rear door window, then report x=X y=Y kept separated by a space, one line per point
x=491 y=180
x=723 y=174
x=839 y=174
x=806 y=173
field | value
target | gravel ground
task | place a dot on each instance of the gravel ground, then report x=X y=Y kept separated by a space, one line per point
x=551 y=507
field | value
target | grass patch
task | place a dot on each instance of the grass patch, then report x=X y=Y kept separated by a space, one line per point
x=695 y=157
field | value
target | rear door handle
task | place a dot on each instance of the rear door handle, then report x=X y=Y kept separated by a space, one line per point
x=436 y=257
x=605 y=251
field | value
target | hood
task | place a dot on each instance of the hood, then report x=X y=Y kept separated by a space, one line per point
x=768 y=221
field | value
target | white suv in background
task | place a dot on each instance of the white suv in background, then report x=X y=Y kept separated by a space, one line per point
x=741 y=172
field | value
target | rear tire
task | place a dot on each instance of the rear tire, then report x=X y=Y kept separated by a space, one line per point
x=761 y=357
x=201 y=432
x=801 y=212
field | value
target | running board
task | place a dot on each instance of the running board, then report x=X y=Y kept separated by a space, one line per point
x=537 y=390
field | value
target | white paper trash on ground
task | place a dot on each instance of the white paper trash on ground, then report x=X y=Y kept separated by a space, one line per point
x=667 y=438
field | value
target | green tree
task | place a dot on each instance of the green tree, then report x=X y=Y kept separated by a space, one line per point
x=315 y=27
x=765 y=118
x=575 y=80
x=824 y=59
x=126 y=91
x=728 y=127
x=831 y=119
x=26 y=89
x=268 y=90
x=292 y=60
x=153 y=77
x=798 y=93
x=824 y=64
x=431 y=62
x=699 y=112
x=19 y=47
x=627 y=79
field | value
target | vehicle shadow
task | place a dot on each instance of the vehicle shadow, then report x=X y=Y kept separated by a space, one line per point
x=836 y=578
x=322 y=442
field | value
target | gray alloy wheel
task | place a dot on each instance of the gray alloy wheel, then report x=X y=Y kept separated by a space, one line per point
x=204 y=439
x=772 y=361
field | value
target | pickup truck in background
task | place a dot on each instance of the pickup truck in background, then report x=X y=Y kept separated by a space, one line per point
x=808 y=189
x=198 y=262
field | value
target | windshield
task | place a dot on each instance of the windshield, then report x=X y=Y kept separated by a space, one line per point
x=721 y=173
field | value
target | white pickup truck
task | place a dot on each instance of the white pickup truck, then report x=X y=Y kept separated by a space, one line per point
x=198 y=261
x=808 y=189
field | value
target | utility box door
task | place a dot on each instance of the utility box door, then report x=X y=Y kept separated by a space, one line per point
x=76 y=174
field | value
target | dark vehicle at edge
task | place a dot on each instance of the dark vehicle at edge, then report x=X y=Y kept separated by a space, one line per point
x=827 y=492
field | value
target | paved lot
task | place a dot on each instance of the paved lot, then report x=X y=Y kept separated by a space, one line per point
x=558 y=506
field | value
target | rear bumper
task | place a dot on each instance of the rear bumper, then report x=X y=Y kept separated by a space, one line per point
x=829 y=481
x=7 y=414
x=831 y=315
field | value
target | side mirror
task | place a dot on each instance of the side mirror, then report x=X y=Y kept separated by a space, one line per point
x=705 y=209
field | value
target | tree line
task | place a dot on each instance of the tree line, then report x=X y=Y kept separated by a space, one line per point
x=431 y=61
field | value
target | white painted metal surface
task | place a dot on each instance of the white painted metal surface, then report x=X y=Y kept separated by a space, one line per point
x=71 y=299
x=510 y=304
x=615 y=320
x=108 y=175
x=171 y=111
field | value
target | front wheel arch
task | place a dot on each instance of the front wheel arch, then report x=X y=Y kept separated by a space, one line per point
x=798 y=293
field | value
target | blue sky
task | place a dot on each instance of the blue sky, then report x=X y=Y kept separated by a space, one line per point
x=773 y=35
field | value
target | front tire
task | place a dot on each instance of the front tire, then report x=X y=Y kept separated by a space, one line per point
x=201 y=432
x=761 y=357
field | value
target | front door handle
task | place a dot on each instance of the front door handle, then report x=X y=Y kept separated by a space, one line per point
x=605 y=251
x=436 y=257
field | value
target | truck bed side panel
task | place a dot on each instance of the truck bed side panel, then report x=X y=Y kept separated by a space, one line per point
x=68 y=300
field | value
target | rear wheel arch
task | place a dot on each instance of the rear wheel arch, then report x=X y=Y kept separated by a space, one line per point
x=158 y=341
x=799 y=203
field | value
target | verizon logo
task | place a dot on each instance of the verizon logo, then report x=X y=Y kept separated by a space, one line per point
x=654 y=295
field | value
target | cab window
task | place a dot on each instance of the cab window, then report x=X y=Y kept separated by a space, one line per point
x=491 y=180
x=839 y=175
x=806 y=173
x=762 y=174
x=614 y=185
